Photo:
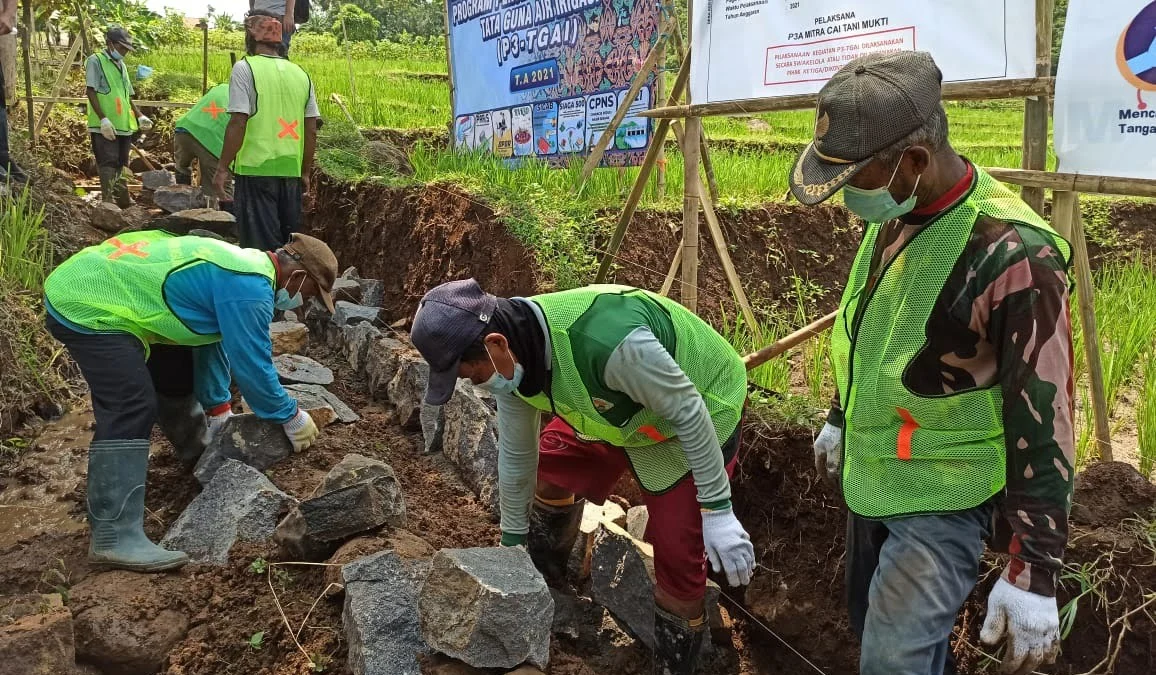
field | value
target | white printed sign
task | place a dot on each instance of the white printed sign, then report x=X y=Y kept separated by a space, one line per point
x=1105 y=109
x=759 y=48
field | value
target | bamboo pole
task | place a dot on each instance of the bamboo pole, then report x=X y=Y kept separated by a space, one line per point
x=26 y=36
x=1073 y=182
x=204 y=56
x=952 y=91
x=61 y=79
x=752 y=361
x=1066 y=220
x=450 y=72
x=660 y=95
x=349 y=64
x=648 y=162
x=607 y=135
x=82 y=16
x=76 y=100
x=675 y=263
x=708 y=165
x=690 y=204
x=1035 y=141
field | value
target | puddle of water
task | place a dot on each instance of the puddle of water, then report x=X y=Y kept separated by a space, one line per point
x=24 y=521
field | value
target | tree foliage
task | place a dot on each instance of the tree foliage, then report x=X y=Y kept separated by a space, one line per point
x=355 y=24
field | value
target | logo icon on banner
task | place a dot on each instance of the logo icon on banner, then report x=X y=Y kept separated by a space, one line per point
x=1136 y=53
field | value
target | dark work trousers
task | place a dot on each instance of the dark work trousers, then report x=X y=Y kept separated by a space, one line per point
x=111 y=154
x=268 y=210
x=124 y=385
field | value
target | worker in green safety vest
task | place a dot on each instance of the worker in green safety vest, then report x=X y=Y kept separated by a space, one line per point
x=113 y=118
x=636 y=382
x=160 y=326
x=200 y=136
x=952 y=352
x=270 y=138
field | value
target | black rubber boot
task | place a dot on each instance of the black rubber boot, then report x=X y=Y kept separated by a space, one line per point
x=182 y=420
x=116 y=495
x=107 y=184
x=676 y=643
x=120 y=193
x=553 y=531
x=184 y=178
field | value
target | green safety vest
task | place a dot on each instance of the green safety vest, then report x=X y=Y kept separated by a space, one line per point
x=115 y=104
x=905 y=453
x=118 y=285
x=274 y=142
x=586 y=325
x=207 y=119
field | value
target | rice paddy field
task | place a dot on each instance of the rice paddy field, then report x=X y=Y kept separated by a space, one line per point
x=406 y=87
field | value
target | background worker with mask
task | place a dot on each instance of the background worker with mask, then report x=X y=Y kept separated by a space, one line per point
x=113 y=118
x=637 y=382
x=158 y=324
x=953 y=359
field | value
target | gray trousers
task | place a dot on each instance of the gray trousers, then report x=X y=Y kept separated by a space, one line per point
x=906 y=581
x=186 y=149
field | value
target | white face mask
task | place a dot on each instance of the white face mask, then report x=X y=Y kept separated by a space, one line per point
x=284 y=302
x=499 y=383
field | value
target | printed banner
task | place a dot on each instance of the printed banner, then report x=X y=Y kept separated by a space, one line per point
x=748 y=49
x=1105 y=107
x=543 y=78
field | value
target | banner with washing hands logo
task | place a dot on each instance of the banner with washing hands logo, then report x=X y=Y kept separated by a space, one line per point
x=1105 y=109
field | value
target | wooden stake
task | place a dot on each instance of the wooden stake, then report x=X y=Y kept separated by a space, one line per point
x=675 y=263
x=708 y=165
x=1067 y=221
x=690 y=204
x=336 y=98
x=752 y=361
x=61 y=79
x=349 y=64
x=660 y=95
x=26 y=34
x=204 y=56
x=607 y=135
x=450 y=71
x=1035 y=141
x=83 y=22
x=640 y=182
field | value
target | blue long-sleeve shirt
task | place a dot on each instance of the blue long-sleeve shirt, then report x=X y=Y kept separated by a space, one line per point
x=239 y=307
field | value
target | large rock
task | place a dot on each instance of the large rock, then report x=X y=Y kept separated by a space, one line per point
x=381 y=363
x=175 y=198
x=107 y=217
x=296 y=369
x=157 y=178
x=358 y=339
x=239 y=505
x=402 y=542
x=347 y=290
x=637 y=518
x=621 y=580
x=348 y=314
x=488 y=607
x=406 y=390
x=222 y=224
x=36 y=635
x=289 y=337
x=359 y=494
x=381 y=614
x=311 y=396
x=124 y=624
x=248 y=439
x=593 y=515
x=470 y=441
x=372 y=292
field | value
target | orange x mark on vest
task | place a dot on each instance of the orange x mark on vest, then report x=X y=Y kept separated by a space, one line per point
x=119 y=106
x=212 y=109
x=132 y=249
x=288 y=129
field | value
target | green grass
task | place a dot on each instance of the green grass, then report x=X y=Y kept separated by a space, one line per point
x=24 y=246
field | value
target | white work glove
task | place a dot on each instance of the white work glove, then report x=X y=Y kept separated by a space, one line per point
x=728 y=546
x=301 y=430
x=217 y=422
x=1030 y=624
x=144 y=123
x=107 y=130
x=829 y=452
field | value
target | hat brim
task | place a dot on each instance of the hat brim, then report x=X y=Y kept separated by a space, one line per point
x=813 y=179
x=439 y=387
x=327 y=298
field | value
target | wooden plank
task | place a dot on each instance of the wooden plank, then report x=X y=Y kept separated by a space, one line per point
x=952 y=91
x=1066 y=220
x=75 y=100
x=690 y=205
x=648 y=162
x=1074 y=182
x=61 y=79
x=607 y=135
x=1035 y=139
x=752 y=361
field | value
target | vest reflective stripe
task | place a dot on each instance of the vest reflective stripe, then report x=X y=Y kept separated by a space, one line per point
x=206 y=121
x=116 y=104
x=274 y=142
x=118 y=285
x=710 y=362
x=905 y=453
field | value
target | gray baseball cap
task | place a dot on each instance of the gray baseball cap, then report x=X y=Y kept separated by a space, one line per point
x=870 y=104
x=119 y=36
x=449 y=319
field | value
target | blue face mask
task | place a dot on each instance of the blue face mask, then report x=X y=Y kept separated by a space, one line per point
x=878 y=206
x=499 y=383
x=114 y=54
x=284 y=302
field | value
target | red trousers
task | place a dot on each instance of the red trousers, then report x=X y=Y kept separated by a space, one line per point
x=591 y=469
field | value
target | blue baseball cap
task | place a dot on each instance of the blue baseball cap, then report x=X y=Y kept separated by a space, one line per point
x=450 y=318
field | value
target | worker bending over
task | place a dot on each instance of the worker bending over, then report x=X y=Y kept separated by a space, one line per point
x=637 y=382
x=157 y=324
